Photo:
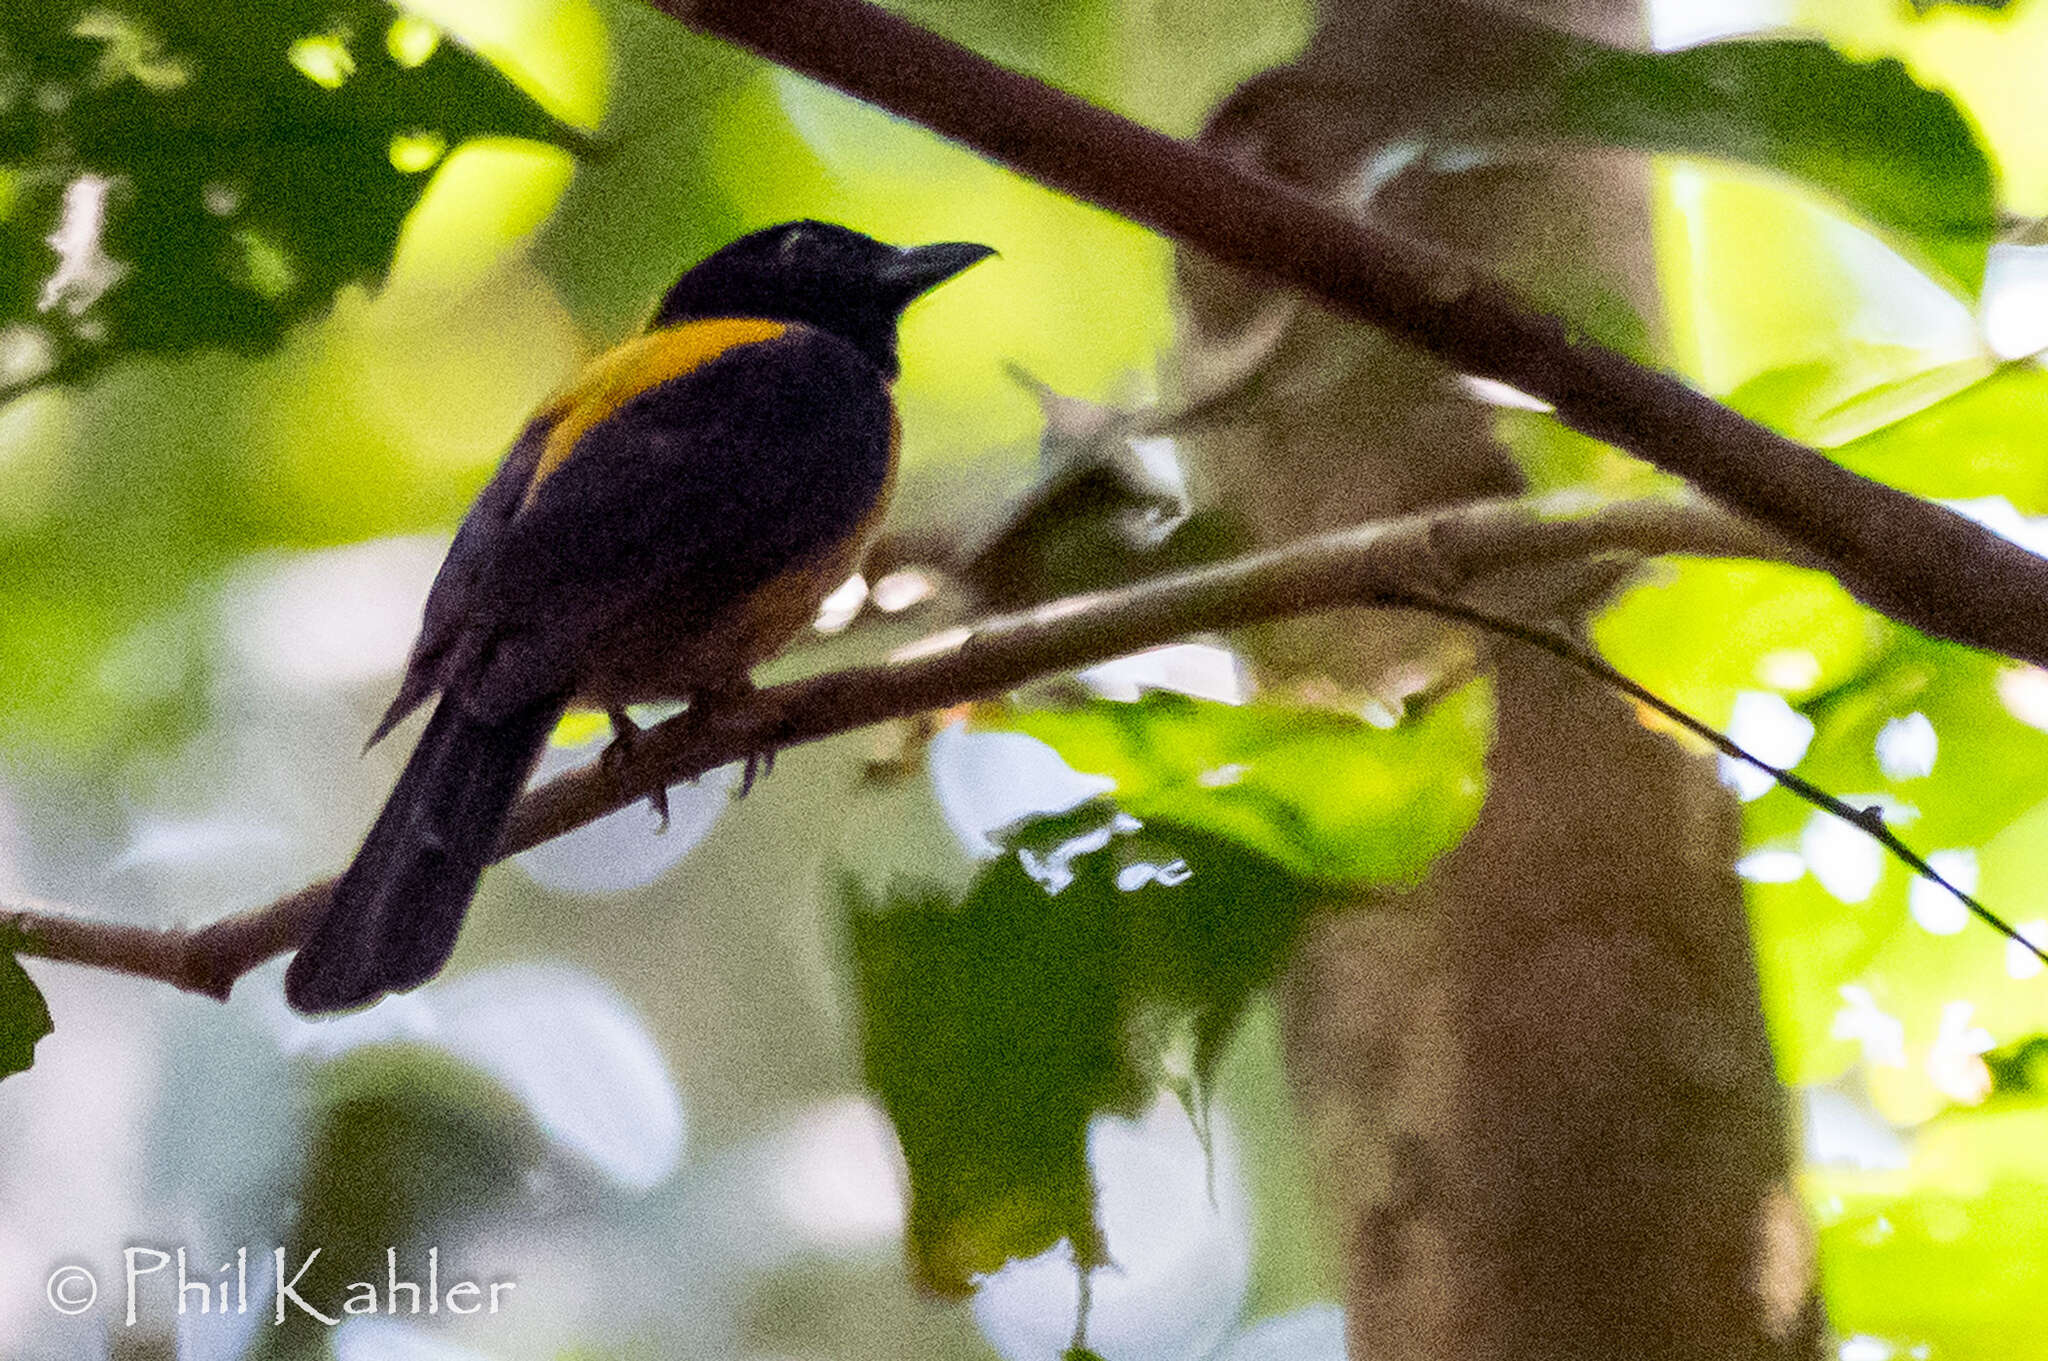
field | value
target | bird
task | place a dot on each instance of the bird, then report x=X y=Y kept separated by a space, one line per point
x=668 y=521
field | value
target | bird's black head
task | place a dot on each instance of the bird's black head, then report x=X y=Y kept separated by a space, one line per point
x=821 y=275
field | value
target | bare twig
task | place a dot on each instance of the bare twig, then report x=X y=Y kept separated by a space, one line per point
x=1868 y=820
x=1417 y=558
x=1918 y=562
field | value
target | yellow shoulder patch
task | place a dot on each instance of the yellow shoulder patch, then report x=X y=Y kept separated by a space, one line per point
x=621 y=374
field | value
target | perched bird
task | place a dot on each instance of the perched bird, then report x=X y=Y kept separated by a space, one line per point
x=666 y=523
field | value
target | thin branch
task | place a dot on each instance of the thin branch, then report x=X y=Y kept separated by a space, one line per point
x=1918 y=562
x=1868 y=820
x=1433 y=556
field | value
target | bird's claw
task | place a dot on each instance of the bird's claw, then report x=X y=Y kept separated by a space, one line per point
x=625 y=734
x=759 y=764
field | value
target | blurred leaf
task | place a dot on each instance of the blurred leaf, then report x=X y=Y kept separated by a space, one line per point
x=214 y=173
x=1098 y=958
x=1697 y=631
x=1900 y=154
x=1984 y=793
x=1962 y=430
x=404 y=1145
x=1853 y=392
x=1951 y=1254
x=24 y=1017
x=1989 y=439
x=1324 y=793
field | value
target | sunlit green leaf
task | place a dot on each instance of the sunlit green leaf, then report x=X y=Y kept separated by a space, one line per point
x=1949 y=1254
x=212 y=174
x=1977 y=785
x=1098 y=959
x=24 y=1017
x=1325 y=793
x=1989 y=439
x=1696 y=632
x=1900 y=154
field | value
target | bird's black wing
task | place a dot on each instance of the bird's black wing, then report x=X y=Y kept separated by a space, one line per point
x=683 y=500
x=453 y=596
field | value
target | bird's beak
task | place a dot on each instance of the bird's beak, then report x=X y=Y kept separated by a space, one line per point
x=917 y=270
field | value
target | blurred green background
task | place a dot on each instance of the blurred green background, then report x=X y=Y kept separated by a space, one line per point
x=232 y=446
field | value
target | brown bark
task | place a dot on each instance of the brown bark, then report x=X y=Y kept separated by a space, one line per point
x=1539 y=1087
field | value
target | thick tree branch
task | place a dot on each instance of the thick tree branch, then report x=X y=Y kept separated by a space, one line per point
x=1421 y=558
x=1917 y=562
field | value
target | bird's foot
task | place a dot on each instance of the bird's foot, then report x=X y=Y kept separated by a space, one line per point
x=625 y=733
x=708 y=702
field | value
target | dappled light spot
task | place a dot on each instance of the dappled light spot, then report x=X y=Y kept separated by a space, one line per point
x=1174 y=1226
x=1936 y=910
x=1864 y=1347
x=1771 y=730
x=1906 y=747
x=626 y=849
x=902 y=588
x=839 y=1178
x=986 y=781
x=1686 y=23
x=219 y=198
x=131 y=51
x=2015 y=309
x=324 y=59
x=1772 y=867
x=1792 y=669
x=1053 y=870
x=1201 y=670
x=1136 y=875
x=837 y=611
x=26 y=354
x=334 y=618
x=1493 y=392
x=411 y=40
x=155 y=843
x=1999 y=516
x=1843 y=1131
x=1955 y=1062
x=1843 y=858
x=2020 y=962
x=84 y=271
x=1881 y=1034
x=261 y=265
x=562 y=1041
x=414 y=152
x=2023 y=690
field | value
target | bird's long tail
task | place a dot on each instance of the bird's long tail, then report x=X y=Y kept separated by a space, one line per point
x=397 y=909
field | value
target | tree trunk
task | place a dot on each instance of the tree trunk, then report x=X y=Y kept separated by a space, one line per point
x=1539 y=1087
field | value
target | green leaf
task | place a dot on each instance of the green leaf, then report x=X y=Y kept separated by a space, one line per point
x=24 y=1017
x=1985 y=796
x=1901 y=155
x=217 y=172
x=1697 y=631
x=1989 y=439
x=1098 y=959
x=1324 y=793
x=1945 y=1253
